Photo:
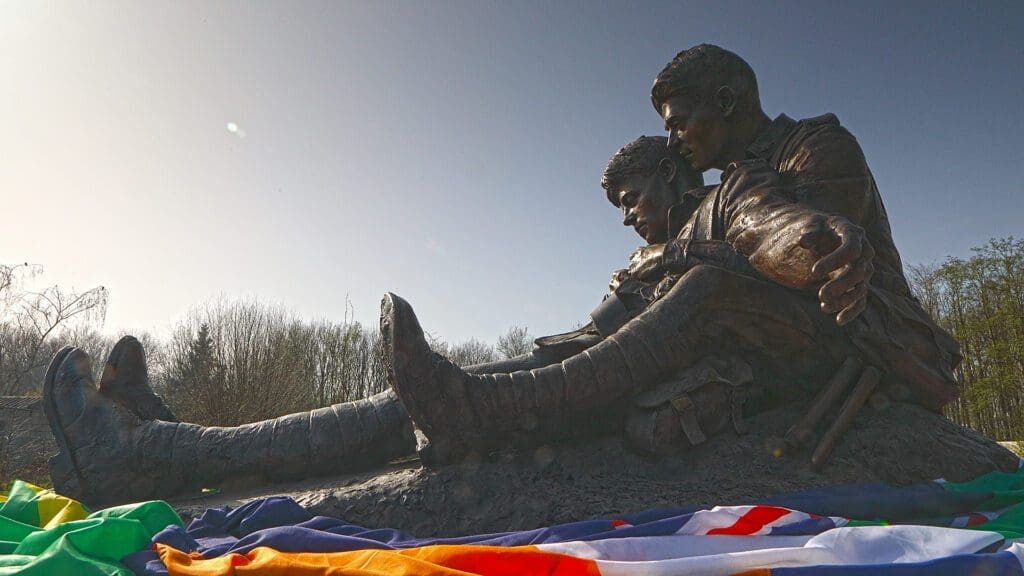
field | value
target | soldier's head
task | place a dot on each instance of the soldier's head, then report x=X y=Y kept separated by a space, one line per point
x=645 y=178
x=708 y=98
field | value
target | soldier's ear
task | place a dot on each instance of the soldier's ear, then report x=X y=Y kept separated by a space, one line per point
x=667 y=170
x=725 y=99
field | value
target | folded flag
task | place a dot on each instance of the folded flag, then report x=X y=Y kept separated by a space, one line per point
x=45 y=534
x=930 y=528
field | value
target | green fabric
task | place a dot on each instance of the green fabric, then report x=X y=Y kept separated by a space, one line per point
x=1007 y=496
x=1010 y=523
x=21 y=504
x=1007 y=488
x=93 y=546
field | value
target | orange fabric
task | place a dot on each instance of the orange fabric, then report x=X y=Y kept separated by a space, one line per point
x=423 y=561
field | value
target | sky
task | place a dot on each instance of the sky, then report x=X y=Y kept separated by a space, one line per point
x=318 y=154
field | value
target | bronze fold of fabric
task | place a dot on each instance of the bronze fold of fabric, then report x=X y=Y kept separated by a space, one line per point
x=463 y=414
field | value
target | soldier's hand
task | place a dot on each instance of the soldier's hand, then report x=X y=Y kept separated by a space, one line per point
x=618 y=277
x=645 y=264
x=845 y=258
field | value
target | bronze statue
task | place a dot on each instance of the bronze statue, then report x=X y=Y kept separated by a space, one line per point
x=797 y=211
x=118 y=441
x=709 y=101
x=747 y=295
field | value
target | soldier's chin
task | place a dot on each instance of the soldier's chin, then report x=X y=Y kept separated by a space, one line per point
x=654 y=237
x=701 y=166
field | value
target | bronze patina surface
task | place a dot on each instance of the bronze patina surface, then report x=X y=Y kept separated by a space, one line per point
x=745 y=300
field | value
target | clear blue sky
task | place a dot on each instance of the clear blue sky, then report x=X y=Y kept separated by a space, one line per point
x=450 y=152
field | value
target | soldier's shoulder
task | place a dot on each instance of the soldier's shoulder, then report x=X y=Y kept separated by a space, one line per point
x=822 y=144
x=823 y=131
x=828 y=119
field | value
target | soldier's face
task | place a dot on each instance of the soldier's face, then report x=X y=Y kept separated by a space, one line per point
x=645 y=201
x=696 y=130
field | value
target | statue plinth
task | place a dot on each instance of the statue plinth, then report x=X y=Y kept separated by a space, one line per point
x=897 y=444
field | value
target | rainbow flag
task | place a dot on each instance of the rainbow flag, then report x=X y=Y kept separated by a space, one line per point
x=927 y=529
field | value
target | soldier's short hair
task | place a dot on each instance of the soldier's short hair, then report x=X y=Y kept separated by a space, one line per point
x=700 y=71
x=642 y=156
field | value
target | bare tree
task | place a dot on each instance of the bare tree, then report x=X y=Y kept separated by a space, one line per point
x=235 y=362
x=466 y=353
x=515 y=342
x=28 y=321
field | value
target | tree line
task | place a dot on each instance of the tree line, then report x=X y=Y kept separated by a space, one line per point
x=980 y=300
x=226 y=363
x=231 y=362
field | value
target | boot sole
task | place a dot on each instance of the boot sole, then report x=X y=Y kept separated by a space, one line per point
x=63 y=464
x=444 y=446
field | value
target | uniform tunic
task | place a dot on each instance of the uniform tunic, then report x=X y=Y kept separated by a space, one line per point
x=820 y=165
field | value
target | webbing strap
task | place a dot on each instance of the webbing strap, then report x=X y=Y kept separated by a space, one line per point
x=687 y=413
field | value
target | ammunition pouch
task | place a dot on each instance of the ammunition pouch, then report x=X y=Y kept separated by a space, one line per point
x=684 y=410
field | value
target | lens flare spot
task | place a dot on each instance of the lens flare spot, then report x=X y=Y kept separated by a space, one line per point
x=235 y=129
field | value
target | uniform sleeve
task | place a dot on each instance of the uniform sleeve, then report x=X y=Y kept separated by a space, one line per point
x=826 y=170
x=761 y=219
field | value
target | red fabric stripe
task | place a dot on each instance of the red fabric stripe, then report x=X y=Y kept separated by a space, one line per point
x=976 y=519
x=752 y=521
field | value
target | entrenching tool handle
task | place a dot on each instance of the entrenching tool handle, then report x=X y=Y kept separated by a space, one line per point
x=802 y=431
x=865 y=386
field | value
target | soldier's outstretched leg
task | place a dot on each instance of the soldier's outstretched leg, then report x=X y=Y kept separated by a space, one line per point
x=109 y=455
x=709 y=311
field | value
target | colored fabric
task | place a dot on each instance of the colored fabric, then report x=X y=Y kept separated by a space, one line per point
x=881 y=545
x=45 y=534
x=453 y=560
x=36 y=506
x=928 y=528
x=1006 y=488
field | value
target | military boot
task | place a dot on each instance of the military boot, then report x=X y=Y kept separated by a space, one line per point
x=125 y=380
x=109 y=455
x=463 y=414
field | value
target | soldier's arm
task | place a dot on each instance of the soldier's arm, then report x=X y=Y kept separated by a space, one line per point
x=791 y=243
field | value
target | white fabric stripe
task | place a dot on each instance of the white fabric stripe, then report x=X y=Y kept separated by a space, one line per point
x=839 y=522
x=720 y=564
x=643 y=548
x=1017 y=550
x=860 y=545
x=901 y=544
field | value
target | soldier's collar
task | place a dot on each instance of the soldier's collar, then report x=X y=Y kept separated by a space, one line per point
x=765 y=145
x=679 y=214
